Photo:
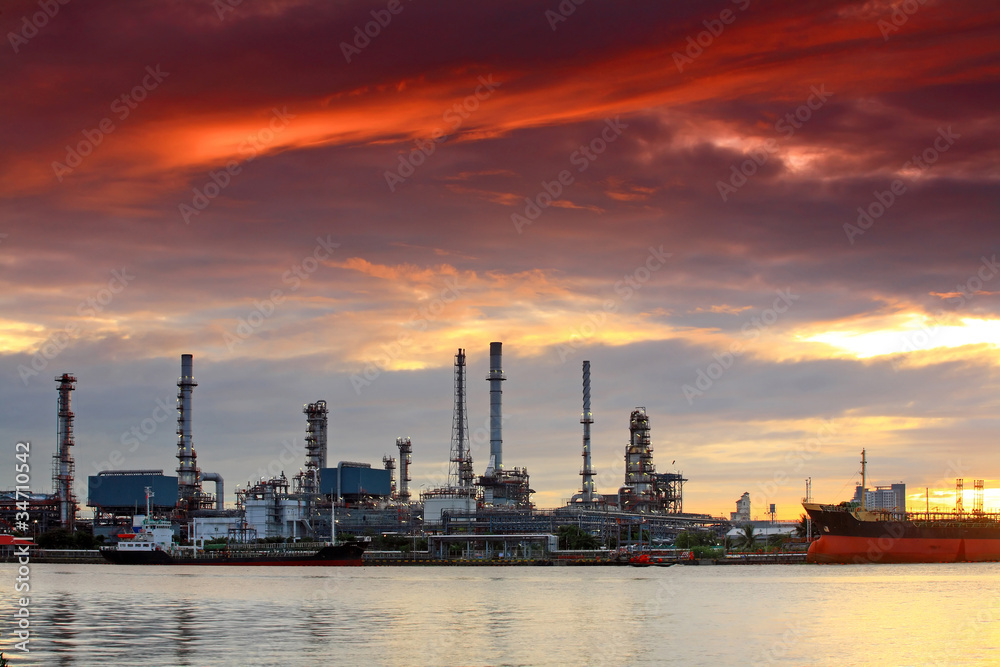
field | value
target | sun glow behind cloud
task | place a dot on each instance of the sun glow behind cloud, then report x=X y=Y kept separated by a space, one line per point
x=911 y=333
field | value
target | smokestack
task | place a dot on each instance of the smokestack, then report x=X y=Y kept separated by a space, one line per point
x=188 y=478
x=587 y=420
x=64 y=467
x=495 y=377
x=460 y=472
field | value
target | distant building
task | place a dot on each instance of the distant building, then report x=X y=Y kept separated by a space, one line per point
x=891 y=497
x=742 y=513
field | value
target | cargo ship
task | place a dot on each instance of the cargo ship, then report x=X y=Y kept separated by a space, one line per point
x=850 y=533
x=141 y=551
x=154 y=545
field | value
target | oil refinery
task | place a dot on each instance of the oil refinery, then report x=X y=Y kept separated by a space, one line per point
x=365 y=498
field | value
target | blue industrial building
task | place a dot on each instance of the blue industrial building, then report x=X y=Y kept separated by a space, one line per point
x=113 y=491
x=352 y=481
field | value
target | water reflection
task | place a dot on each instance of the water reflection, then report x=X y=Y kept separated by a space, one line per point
x=540 y=616
x=187 y=633
x=61 y=628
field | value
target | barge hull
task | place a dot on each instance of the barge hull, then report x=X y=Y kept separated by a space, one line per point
x=886 y=549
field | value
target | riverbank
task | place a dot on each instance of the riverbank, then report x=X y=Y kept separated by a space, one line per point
x=382 y=559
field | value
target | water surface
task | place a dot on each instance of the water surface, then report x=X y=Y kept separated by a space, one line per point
x=756 y=614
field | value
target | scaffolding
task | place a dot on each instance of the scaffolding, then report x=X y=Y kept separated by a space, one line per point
x=647 y=491
x=509 y=488
x=316 y=432
x=405 y=458
x=639 y=468
x=460 y=470
x=389 y=463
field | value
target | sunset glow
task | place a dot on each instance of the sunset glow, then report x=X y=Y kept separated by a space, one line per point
x=783 y=245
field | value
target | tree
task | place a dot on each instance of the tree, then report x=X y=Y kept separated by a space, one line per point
x=802 y=530
x=575 y=538
x=776 y=540
x=748 y=540
x=686 y=539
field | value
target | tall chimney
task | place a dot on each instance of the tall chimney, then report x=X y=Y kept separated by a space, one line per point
x=460 y=472
x=188 y=477
x=63 y=467
x=587 y=420
x=495 y=377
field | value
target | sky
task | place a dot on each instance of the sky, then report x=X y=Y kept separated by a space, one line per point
x=772 y=225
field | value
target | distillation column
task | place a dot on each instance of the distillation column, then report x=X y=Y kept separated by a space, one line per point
x=316 y=431
x=63 y=467
x=639 y=467
x=587 y=420
x=405 y=458
x=188 y=477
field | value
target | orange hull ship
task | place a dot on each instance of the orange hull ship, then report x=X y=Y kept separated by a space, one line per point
x=856 y=536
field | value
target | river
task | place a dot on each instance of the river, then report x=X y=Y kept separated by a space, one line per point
x=706 y=615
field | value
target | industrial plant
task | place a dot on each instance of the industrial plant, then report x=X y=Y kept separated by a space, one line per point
x=358 y=498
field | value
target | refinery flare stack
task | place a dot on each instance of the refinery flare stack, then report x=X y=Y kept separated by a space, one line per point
x=320 y=501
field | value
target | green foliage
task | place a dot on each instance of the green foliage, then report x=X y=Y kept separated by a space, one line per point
x=575 y=538
x=60 y=538
x=688 y=539
x=390 y=543
x=3 y=661
x=707 y=552
x=748 y=540
x=801 y=529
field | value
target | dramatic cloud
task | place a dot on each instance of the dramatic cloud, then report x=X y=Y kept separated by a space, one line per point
x=773 y=225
